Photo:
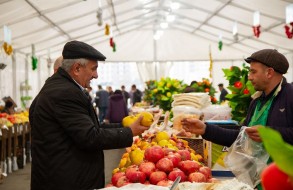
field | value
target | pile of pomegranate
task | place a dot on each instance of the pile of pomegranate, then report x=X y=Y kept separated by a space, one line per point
x=160 y=165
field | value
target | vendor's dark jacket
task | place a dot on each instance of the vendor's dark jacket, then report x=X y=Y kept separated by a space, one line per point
x=67 y=139
x=280 y=118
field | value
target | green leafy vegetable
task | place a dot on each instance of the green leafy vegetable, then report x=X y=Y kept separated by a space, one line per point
x=278 y=149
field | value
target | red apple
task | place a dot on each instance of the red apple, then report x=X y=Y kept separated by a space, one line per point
x=157 y=176
x=189 y=166
x=147 y=168
x=196 y=177
x=206 y=171
x=185 y=154
x=164 y=165
x=175 y=173
x=165 y=183
x=154 y=154
x=273 y=178
x=175 y=158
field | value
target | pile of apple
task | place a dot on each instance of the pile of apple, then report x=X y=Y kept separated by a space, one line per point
x=160 y=165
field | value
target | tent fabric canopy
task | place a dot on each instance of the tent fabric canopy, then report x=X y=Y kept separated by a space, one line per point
x=190 y=38
x=197 y=25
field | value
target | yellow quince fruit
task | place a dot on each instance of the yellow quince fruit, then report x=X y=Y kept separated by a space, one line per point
x=128 y=120
x=136 y=156
x=147 y=120
x=162 y=135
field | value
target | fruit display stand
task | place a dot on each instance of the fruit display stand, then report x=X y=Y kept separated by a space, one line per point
x=15 y=148
x=3 y=140
x=112 y=158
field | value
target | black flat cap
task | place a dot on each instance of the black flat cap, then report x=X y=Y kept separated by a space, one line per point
x=77 y=50
x=271 y=58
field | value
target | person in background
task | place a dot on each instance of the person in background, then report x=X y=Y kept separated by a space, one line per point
x=67 y=138
x=272 y=104
x=91 y=95
x=57 y=63
x=190 y=88
x=223 y=92
x=136 y=94
x=102 y=101
x=117 y=108
x=110 y=90
x=125 y=94
x=9 y=107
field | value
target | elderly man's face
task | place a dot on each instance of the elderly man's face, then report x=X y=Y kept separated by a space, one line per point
x=87 y=73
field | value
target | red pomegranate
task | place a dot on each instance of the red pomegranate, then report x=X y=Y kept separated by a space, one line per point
x=175 y=158
x=189 y=166
x=164 y=165
x=165 y=183
x=197 y=177
x=154 y=154
x=157 y=176
x=185 y=154
x=147 y=168
x=206 y=171
x=135 y=176
x=175 y=173
x=116 y=177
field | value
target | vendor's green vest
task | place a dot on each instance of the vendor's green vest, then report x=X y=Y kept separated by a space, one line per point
x=260 y=117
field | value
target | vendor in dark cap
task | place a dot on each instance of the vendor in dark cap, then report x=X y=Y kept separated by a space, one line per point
x=67 y=138
x=272 y=104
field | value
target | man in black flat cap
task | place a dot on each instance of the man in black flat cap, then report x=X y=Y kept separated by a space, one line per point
x=272 y=104
x=67 y=138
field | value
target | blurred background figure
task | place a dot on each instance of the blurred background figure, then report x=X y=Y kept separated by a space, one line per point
x=102 y=99
x=57 y=63
x=117 y=108
x=223 y=91
x=125 y=94
x=10 y=105
x=136 y=94
x=110 y=90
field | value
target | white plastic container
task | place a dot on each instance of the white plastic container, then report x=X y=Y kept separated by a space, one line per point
x=217 y=112
x=178 y=110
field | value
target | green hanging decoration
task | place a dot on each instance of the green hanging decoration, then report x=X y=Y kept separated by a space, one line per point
x=34 y=62
x=114 y=47
x=34 y=58
x=220 y=45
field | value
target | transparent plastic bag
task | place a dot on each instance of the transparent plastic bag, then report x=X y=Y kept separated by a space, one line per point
x=246 y=159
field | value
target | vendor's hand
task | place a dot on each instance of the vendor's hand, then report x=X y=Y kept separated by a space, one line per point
x=137 y=128
x=252 y=133
x=194 y=126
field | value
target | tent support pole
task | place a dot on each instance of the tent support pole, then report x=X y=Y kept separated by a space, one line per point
x=14 y=77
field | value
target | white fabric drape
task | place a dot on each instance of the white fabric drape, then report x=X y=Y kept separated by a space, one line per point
x=146 y=70
x=163 y=69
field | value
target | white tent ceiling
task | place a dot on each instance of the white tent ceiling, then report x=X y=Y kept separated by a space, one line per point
x=197 y=26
